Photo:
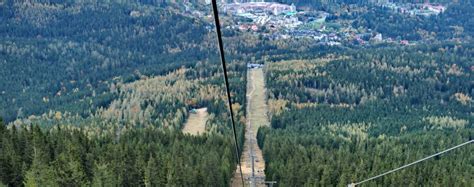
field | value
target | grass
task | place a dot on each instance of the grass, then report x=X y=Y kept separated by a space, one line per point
x=196 y=123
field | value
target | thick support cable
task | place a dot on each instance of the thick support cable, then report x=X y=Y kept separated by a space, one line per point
x=413 y=163
x=226 y=79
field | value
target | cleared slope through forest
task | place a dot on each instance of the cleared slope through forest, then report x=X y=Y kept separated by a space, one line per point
x=196 y=123
x=256 y=116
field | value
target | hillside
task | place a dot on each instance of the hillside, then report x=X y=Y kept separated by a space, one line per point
x=121 y=93
x=369 y=111
x=74 y=53
x=96 y=94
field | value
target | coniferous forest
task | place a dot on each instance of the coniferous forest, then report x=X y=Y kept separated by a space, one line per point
x=98 y=93
x=95 y=94
x=340 y=115
x=343 y=117
x=140 y=157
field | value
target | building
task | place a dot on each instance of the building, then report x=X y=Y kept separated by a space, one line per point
x=259 y=7
x=254 y=66
x=378 y=37
x=437 y=9
x=254 y=28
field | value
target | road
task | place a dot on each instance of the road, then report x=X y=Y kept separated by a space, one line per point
x=252 y=162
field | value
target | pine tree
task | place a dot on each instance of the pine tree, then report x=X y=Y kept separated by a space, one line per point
x=152 y=174
x=103 y=176
x=40 y=173
x=69 y=171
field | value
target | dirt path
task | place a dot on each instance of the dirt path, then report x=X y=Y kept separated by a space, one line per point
x=196 y=123
x=256 y=117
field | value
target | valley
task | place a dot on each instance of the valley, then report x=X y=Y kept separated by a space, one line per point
x=122 y=93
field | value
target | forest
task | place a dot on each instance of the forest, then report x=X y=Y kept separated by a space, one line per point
x=345 y=116
x=100 y=92
x=95 y=94
x=140 y=157
x=79 y=50
x=453 y=24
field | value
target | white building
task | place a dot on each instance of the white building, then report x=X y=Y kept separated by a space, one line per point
x=258 y=7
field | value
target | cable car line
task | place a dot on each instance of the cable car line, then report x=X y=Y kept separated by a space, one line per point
x=410 y=164
x=224 y=68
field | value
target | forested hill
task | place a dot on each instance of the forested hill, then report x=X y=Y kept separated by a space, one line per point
x=344 y=116
x=142 y=157
x=454 y=23
x=64 y=56
x=133 y=71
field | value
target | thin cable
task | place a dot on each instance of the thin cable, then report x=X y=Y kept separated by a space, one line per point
x=410 y=164
x=224 y=68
